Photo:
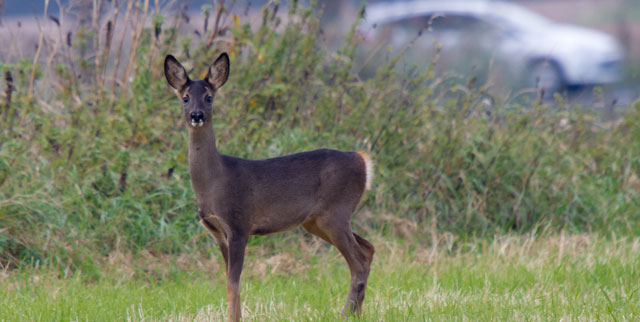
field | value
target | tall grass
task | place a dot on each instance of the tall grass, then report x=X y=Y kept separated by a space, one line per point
x=93 y=158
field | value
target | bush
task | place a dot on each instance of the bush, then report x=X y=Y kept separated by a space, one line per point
x=95 y=163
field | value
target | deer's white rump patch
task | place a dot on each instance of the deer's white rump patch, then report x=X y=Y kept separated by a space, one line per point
x=368 y=163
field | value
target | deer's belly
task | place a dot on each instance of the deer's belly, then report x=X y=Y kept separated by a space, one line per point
x=270 y=230
x=271 y=223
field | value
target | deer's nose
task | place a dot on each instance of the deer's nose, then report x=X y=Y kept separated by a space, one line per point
x=197 y=118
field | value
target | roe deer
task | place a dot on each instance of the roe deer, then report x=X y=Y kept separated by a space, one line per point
x=237 y=198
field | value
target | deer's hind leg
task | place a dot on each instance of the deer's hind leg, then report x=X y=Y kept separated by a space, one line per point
x=366 y=247
x=357 y=251
x=313 y=229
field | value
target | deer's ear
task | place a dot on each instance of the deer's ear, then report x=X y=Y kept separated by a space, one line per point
x=219 y=71
x=174 y=72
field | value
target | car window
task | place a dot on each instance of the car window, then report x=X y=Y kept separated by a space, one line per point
x=411 y=26
x=463 y=42
x=399 y=33
x=451 y=22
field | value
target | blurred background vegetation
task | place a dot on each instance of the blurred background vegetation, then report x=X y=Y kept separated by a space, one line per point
x=93 y=149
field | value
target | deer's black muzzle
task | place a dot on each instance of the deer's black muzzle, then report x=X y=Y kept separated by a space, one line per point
x=197 y=118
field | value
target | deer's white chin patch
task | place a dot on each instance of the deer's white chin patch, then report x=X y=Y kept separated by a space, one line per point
x=197 y=123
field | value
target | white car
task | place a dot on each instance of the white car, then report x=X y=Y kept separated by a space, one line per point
x=548 y=54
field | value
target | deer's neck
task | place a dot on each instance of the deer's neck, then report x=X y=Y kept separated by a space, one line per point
x=205 y=163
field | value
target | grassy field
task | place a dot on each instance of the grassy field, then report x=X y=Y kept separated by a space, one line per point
x=522 y=210
x=559 y=277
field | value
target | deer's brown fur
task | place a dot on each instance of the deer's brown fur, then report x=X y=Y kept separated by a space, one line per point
x=318 y=190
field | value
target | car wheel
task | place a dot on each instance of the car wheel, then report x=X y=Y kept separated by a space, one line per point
x=546 y=78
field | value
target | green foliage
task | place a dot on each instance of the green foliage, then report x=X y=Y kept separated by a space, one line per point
x=92 y=168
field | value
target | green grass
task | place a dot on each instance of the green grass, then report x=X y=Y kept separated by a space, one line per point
x=560 y=277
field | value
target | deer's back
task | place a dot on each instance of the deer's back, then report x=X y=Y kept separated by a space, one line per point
x=282 y=192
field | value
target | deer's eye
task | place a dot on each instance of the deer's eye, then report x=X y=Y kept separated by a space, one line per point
x=209 y=99
x=185 y=99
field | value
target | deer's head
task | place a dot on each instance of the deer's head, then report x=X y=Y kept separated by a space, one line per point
x=197 y=96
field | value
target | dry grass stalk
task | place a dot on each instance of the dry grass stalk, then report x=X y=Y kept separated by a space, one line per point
x=111 y=26
x=219 y=9
x=35 y=58
x=52 y=56
x=136 y=34
x=119 y=52
x=95 y=22
x=154 y=47
x=66 y=50
x=56 y=46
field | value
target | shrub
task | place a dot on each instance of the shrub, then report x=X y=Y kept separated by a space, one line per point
x=96 y=163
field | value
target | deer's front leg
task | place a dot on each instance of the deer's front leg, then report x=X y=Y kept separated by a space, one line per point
x=220 y=240
x=237 y=245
